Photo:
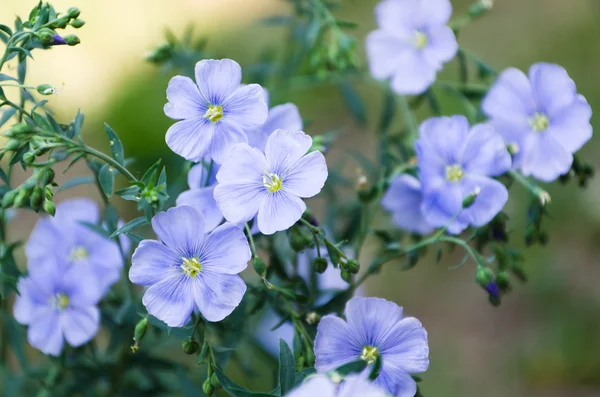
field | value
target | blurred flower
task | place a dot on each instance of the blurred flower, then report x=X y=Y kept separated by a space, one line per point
x=200 y=196
x=455 y=162
x=542 y=116
x=190 y=269
x=214 y=113
x=58 y=304
x=353 y=386
x=272 y=184
x=375 y=327
x=67 y=239
x=411 y=44
x=403 y=199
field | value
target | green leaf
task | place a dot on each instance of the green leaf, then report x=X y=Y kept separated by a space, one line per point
x=354 y=102
x=306 y=372
x=287 y=368
x=77 y=124
x=134 y=224
x=116 y=147
x=80 y=180
x=344 y=24
x=107 y=180
x=5 y=77
x=236 y=390
x=6 y=115
x=6 y=29
x=352 y=368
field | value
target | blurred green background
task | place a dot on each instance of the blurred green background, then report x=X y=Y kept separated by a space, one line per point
x=544 y=340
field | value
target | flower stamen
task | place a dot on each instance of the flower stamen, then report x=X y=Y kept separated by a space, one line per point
x=420 y=40
x=454 y=173
x=60 y=301
x=214 y=113
x=539 y=122
x=369 y=354
x=191 y=266
x=272 y=182
x=78 y=254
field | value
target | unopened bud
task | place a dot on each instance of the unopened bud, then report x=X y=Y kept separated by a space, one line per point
x=46 y=38
x=11 y=146
x=9 y=198
x=61 y=22
x=470 y=199
x=140 y=330
x=47 y=176
x=73 y=12
x=513 y=148
x=352 y=266
x=72 y=40
x=45 y=89
x=36 y=200
x=259 y=266
x=544 y=198
x=49 y=207
x=58 y=40
x=190 y=346
x=312 y=318
x=297 y=240
x=18 y=129
x=503 y=281
x=319 y=265
x=208 y=388
x=77 y=23
x=484 y=276
x=346 y=276
x=215 y=381
x=310 y=358
x=29 y=158
x=22 y=197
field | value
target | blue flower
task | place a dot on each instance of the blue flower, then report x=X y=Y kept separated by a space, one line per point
x=270 y=184
x=322 y=386
x=58 y=304
x=190 y=269
x=200 y=196
x=456 y=161
x=70 y=243
x=375 y=327
x=214 y=113
x=541 y=117
x=403 y=199
x=411 y=44
x=281 y=117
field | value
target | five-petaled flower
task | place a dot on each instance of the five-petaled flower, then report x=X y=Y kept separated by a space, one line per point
x=541 y=117
x=375 y=327
x=322 y=386
x=411 y=44
x=202 y=181
x=456 y=161
x=403 y=199
x=215 y=113
x=189 y=269
x=58 y=304
x=270 y=184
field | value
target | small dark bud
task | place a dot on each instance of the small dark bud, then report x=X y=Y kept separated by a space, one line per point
x=493 y=290
x=140 y=330
x=470 y=199
x=58 y=40
x=72 y=40
x=494 y=300
x=77 y=23
x=319 y=265
x=49 y=207
x=45 y=89
x=61 y=22
x=214 y=381
x=352 y=266
x=190 y=346
x=367 y=195
x=36 y=200
x=9 y=198
x=259 y=267
x=73 y=12
x=346 y=276
x=297 y=240
x=208 y=388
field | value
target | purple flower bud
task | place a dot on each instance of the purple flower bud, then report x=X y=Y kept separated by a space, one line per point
x=492 y=289
x=58 y=40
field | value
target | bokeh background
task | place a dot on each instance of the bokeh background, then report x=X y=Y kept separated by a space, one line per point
x=544 y=340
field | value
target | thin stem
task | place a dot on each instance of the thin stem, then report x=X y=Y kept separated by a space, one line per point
x=535 y=190
x=250 y=240
x=18 y=86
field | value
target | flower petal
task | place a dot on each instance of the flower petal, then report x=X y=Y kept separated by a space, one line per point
x=396 y=382
x=489 y=202
x=203 y=200
x=403 y=199
x=279 y=211
x=217 y=79
x=414 y=74
x=77 y=210
x=171 y=300
x=181 y=229
x=240 y=202
x=406 y=346
x=510 y=98
x=22 y=310
x=436 y=12
x=246 y=107
x=217 y=295
x=336 y=344
x=245 y=165
x=441 y=45
x=284 y=148
x=191 y=138
x=485 y=152
x=227 y=134
x=571 y=125
x=184 y=98
x=384 y=53
x=318 y=385
x=225 y=250
x=80 y=324
x=199 y=175
x=359 y=386
x=545 y=158
x=308 y=176
x=150 y=261
x=442 y=205
x=553 y=89
x=398 y=17
x=45 y=333
x=371 y=319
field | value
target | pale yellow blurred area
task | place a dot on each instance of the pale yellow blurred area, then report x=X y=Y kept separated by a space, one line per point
x=115 y=38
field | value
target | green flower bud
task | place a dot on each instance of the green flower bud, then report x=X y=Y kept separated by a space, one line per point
x=190 y=346
x=208 y=388
x=352 y=266
x=319 y=265
x=72 y=40
x=259 y=266
x=60 y=23
x=215 y=381
x=77 y=23
x=49 y=207
x=48 y=193
x=346 y=276
x=484 y=276
x=140 y=330
x=73 y=12
x=36 y=200
x=22 y=197
x=297 y=240
x=18 y=129
x=45 y=89
x=470 y=199
x=46 y=38
x=310 y=358
x=11 y=146
x=47 y=176
x=29 y=158
x=503 y=281
x=9 y=198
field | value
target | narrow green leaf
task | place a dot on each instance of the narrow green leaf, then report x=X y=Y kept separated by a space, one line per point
x=352 y=368
x=107 y=180
x=6 y=115
x=306 y=372
x=116 y=147
x=354 y=102
x=6 y=29
x=79 y=180
x=236 y=390
x=77 y=124
x=287 y=368
x=134 y=224
x=344 y=24
x=5 y=77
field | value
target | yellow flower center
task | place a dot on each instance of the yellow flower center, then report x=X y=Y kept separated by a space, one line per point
x=420 y=39
x=454 y=173
x=78 y=254
x=214 y=113
x=191 y=266
x=272 y=182
x=60 y=301
x=539 y=122
x=369 y=354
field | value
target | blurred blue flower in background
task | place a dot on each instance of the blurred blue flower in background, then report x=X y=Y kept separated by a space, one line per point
x=322 y=386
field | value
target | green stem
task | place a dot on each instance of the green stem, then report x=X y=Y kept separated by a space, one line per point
x=250 y=240
x=18 y=86
x=535 y=190
x=409 y=118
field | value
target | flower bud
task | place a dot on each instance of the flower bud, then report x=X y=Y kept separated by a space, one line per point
x=60 y=23
x=259 y=266
x=346 y=276
x=45 y=89
x=140 y=330
x=36 y=200
x=58 y=40
x=47 y=176
x=297 y=240
x=18 y=129
x=9 y=198
x=49 y=207
x=46 y=38
x=72 y=40
x=470 y=199
x=208 y=388
x=29 y=158
x=312 y=318
x=22 y=198
x=319 y=265
x=48 y=193
x=11 y=146
x=352 y=266
x=484 y=276
x=190 y=346
x=77 y=23
x=310 y=358
x=214 y=381
x=503 y=281
x=73 y=12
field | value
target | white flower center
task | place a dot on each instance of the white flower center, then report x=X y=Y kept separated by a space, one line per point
x=369 y=354
x=454 y=173
x=191 y=266
x=214 y=113
x=272 y=182
x=539 y=122
x=78 y=254
x=420 y=39
x=60 y=301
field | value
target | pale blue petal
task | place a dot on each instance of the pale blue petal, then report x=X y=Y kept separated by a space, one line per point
x=239 y=202
x=510 y=98
x=406 y=346
x=485 y=152
x=414 y=74
x=217 y=79
x=76 y=210
x=279 y=211
x=318 y=385
x=571 y=125
x=285 y=117
x=398 y=17
x=440 y=206
x=307 y=177
x=336 y=344
x=284 y=148
x=246 y=107
x=359 y=386
x=24 y=305
x=245 y=165
x=545 y=158
x=80 y=324
x=403 y=199
x=384 y=53
x=184 y=99
x=181 y=229
x=217 y=295
x=47 y=238
x=435 y=12
x=396 y=382
x=225 y=250
x=227 y=134
x=268 y=338
x=371 y=319
x=191 y=138
x=150 y=261
x=441 y=45
x=198 y=176
x=203 y=200
x=45 y=332
x=553 y=89
x=81 y=289
x=489 y=202
x=171 y=300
